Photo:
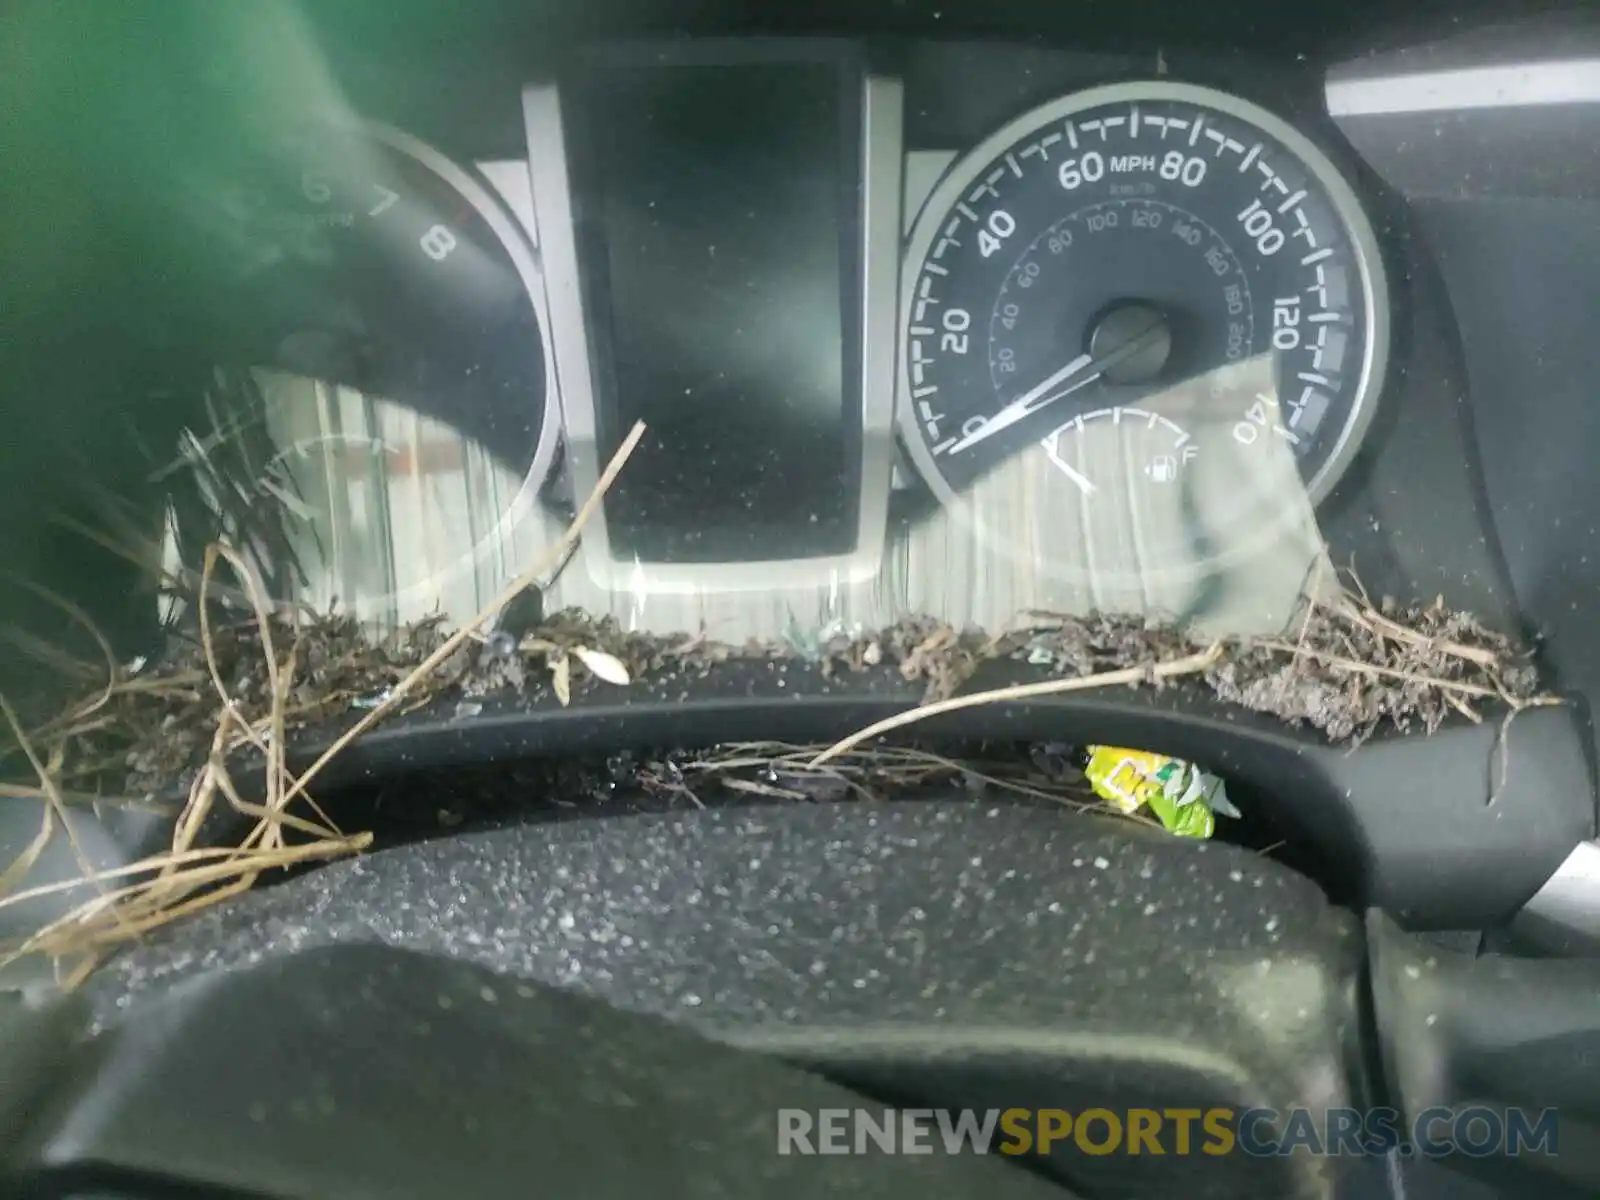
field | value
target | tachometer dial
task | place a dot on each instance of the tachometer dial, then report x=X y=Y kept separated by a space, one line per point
x=1115 y=249
x=382 y=408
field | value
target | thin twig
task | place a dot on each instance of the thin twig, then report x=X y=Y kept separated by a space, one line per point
x=261 y=812
x=1364 y=668
x=750 y=786
x=213 y=552
x=202 y=792
x=1502 y=746
x=176 y=683
x=157 y=863
x=85 y=968
x=1312 y=601
x=47 y=783
x=455 y=640
x=62 y=930
x=268 y=834
x=1355 y=580
x=995 y=780
x=167 y=911
x=24 y=862
x=1188 y=665
x=89 y=799
x=1380 y=626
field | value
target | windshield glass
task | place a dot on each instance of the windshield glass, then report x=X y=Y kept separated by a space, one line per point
x=877 y=378
x=394 y=393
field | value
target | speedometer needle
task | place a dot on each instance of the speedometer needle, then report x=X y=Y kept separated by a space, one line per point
x=1030 y=401
x=1081 y=371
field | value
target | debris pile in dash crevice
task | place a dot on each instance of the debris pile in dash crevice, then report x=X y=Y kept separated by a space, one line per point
x=418 y=804
x=1351 y=671
x=235 y=698
x=1356 y=668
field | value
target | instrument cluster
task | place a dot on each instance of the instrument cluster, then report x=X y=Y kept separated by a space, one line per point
x=960 y=328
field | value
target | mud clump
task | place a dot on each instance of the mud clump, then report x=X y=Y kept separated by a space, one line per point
x=1355 y=670
x=1348 y=669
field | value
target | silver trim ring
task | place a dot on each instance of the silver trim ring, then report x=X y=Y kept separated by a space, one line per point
x=1346 y=205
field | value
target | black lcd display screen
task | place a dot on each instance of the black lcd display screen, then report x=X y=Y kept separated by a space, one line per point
x=721 y=230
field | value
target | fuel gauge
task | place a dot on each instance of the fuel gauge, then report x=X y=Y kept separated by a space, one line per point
x=1164 y=485
x=1144 y=447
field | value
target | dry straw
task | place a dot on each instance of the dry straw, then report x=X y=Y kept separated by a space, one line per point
x=1368 y=663
x=131 y=900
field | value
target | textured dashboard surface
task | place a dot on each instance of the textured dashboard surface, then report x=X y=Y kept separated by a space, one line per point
x=376 y=1073
x=950 y=954
x=752 y=919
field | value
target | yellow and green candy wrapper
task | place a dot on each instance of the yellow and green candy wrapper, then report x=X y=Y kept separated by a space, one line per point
x=1180 y=795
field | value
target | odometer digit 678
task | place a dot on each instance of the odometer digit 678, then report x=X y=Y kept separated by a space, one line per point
x=1115 y=245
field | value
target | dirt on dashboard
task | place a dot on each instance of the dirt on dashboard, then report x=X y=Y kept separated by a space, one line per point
x=217 y=715
x=1351 y=669
x=232 y=700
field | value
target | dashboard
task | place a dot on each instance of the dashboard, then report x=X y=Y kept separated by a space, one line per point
x=963 y=311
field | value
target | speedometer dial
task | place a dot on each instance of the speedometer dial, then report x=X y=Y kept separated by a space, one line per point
x=1128 y=244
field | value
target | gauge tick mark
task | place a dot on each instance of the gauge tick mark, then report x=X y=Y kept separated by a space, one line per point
x=1051 y=302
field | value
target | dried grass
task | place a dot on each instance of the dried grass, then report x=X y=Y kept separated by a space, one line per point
x=1352 y=667
x=1190 y=664
x=187 y=878
x=810 y=772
